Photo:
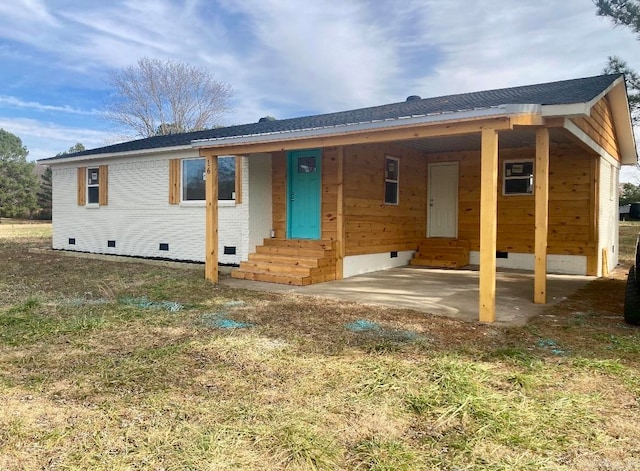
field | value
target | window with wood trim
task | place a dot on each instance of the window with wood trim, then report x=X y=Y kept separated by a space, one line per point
x=92 y=186
x=193 y=180
x=517 y=177
x=391 y=180
x=187 y=180
x=227 y=178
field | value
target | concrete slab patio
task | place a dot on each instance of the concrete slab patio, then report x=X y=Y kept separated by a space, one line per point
x=451 y=293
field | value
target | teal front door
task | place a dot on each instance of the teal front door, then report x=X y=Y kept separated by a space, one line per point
x=303 y=194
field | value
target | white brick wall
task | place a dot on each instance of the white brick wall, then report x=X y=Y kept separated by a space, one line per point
x=139 y=216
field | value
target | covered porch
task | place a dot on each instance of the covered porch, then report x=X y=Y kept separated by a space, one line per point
x=482 y=137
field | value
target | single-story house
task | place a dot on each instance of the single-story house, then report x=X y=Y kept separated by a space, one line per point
x=522 y=177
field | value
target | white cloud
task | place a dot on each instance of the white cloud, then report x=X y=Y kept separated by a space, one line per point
x=496 y=43
x=45 y=139
x=286 y=57
x=15 y=102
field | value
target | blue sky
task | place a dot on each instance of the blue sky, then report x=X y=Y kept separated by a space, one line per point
x=285 y=58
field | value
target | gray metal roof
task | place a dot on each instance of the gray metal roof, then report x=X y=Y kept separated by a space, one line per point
x=581 y=90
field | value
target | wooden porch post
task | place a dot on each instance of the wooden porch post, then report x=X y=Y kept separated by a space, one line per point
x=542 y=214
x=488 y=224
x=340 y=215
x=211 y=219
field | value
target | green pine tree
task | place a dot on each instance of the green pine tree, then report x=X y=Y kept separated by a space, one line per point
x=18 y=182
x=45 y=195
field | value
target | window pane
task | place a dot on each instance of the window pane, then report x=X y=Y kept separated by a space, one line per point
x=391 y=172
x=306 y=164
x=226 y=178
x=518 y=169
x=518 y=186
x=93 y=195
x=193 y=180
x=92 y=176
x=391 y=192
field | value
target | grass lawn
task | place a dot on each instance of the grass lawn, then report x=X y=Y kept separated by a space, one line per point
x=125 y=366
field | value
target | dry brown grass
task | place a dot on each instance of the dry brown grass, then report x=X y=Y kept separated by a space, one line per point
x=90 y=378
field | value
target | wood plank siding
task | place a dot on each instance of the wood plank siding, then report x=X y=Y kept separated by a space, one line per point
x=371 y=226
x=600 y=127
x=279 y=193
x=570 y=199
x=394 y=227
x=329 y=208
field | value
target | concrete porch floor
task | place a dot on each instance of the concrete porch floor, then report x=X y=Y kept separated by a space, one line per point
x=451 y=293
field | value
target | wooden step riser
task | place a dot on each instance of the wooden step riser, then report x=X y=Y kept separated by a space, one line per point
x=286 y=269
x=464 y=260
x=275 y=268
x=443 y=250
x=435 y=256
x=444 y=243
x=308 y=262
x=272 y=278
x=301 y=244
x=420 y=262
x=282 y=279
x=295 y=252
x=323 y=278
x=443 y=256
x=290 y=262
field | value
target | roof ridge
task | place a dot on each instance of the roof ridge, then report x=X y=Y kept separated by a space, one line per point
x=567 y=91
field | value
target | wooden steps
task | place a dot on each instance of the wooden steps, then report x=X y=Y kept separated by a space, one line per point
x=291 y=262
x=442 y=253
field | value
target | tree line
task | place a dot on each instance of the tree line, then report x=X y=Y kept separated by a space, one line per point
x=24 y=193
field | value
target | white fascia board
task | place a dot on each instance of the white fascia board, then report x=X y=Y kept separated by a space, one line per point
x=522 y=108
x=495 y=112
x=579 y=109
x=572 y=109
x=623 y=125
x=111 y=155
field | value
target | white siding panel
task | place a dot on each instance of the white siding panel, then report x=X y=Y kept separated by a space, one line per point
x=359 y=264
x=260 y=211
x=608 y=213
x=139 y=217
x=561 y=264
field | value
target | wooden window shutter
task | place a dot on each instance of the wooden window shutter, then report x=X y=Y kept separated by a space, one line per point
x=103 y=182
x=174 y=181
x=82 y=186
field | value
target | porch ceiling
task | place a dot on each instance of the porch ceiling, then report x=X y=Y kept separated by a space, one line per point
x=519 y=137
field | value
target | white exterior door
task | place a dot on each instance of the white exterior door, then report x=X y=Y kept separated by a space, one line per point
x=443 y=200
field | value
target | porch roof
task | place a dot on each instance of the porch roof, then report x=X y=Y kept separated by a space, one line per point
x=562 y=98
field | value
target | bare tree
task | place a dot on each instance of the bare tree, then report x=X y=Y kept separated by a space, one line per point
x=163 y=97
